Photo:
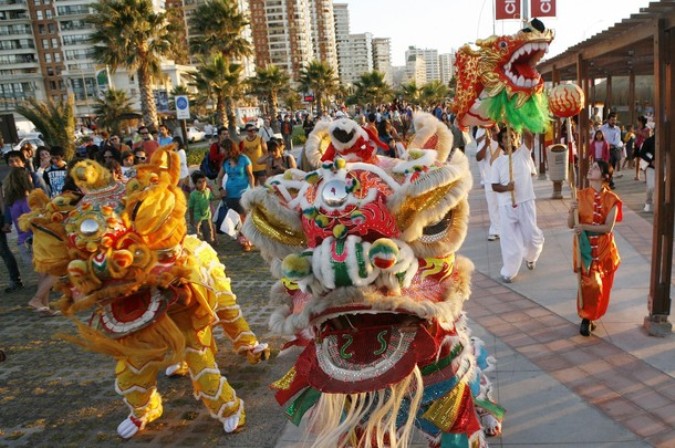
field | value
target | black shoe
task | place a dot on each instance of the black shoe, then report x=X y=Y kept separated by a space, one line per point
x=586 y=327
x=15 y=286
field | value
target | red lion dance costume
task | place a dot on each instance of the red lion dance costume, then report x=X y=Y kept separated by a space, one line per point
x=123 y=249
x=372 y=289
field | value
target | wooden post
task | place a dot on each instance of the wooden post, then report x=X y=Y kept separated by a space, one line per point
x=608 y=98
x=582 y=128
x=656 y=323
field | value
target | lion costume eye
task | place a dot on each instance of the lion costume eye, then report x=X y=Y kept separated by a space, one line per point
x=436 y=231
x=503 y=44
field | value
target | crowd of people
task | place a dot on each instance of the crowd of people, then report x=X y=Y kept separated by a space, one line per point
x=48 y=170
x=234 y=164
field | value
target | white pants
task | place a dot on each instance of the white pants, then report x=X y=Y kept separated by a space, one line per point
x=520 y=237
x=493 y=209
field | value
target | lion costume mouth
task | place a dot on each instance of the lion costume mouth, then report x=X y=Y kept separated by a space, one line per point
x=521 y=68
x=358 y=350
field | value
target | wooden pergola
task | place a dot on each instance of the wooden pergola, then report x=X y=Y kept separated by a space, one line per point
x=643 y=44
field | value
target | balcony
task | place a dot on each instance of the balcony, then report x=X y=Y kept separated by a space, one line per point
x=14 y=5
x=11 y=15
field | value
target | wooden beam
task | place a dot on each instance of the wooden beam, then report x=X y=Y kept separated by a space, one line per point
x=621 y=35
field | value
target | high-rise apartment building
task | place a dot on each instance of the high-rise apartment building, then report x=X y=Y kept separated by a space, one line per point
x=416 y=69
x=282 y=33
x=446 y=65
x=341 y=16
x=430 y=57
x=45 y=53
x=360 y=60
x=26 y=58
x=323 y=32
x=382 y=57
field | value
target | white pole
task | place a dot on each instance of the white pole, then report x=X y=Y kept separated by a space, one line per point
x=525 y=11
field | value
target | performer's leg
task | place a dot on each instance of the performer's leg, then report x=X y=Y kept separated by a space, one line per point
x=209 y=385
x=493 y=211
x=607 y=282
x=138 y=387
x=592 y=293
x=510 y=242
x=533 y=237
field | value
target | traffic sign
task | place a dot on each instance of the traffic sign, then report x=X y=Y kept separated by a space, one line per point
x=182 y=107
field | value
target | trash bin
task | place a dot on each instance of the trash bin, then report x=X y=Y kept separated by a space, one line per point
x=558 y=162
x=557 y=168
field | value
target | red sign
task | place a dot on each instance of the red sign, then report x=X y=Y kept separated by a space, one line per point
x=507 y=9
x=542 y=8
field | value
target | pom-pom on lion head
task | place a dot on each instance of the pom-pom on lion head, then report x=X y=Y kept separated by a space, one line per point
x=90 y=176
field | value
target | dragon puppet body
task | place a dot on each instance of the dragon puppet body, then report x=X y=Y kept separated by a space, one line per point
x=371 y=286
x=498 y=81
x=156 y=292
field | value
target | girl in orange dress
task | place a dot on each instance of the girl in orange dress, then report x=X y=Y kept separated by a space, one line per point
x=599 y=209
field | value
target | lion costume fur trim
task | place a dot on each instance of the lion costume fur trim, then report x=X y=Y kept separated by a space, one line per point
x=284 y=321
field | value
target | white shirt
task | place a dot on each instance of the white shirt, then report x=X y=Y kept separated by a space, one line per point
x=521 y=160
x=266 y=133
x=612 y=135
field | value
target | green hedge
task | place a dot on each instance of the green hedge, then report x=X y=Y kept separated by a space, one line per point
x=195 y=156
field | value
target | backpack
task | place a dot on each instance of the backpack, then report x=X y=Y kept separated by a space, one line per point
x=209 y=167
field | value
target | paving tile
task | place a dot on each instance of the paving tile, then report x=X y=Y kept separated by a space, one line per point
x=645 y=425
x=598 y=368
x=618 y=408
x=621 y=384
x=649 y=399
x=561 y=345
x=552 y=362
x=578 y=357
x=667 y=413
x=569 y=374
x=595 y=391
x=665 y=439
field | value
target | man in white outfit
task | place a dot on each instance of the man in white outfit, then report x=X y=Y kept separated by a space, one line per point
x=520 y=236
x=488 y=153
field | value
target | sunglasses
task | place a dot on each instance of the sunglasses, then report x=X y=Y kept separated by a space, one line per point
x=144 y=133
x=140 y=158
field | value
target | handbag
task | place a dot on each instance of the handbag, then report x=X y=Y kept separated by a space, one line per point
x=231 y=225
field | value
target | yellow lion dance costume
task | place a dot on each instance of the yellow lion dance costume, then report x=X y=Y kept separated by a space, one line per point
x=156 y=292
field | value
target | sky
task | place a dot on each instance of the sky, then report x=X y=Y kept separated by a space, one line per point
x=448 y=24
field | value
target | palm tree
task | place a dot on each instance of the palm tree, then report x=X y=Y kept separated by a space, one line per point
x=220 y=79
x=292 y=101
x=318 y=77
x=371 y=88
x=410 y=92
x=112 y=109
x=270 y=82
x=130 y=34
x=220 y=25
x=54 y=120
x=433 y=92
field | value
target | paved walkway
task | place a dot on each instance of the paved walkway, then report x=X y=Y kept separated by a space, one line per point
x=614 y=389
x=560 y=389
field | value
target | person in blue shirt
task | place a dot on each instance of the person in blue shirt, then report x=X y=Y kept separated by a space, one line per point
x=164 y=137
x=234 y=178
